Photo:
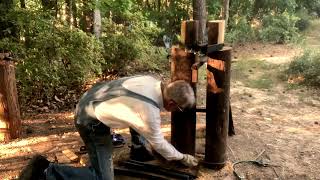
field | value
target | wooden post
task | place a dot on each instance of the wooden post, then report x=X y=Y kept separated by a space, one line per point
x=218 y=90
x=217 y=115
x=183 y=124
x=10 y=123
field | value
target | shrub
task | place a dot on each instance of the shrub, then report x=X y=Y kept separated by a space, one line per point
x=304 y=20
x=240 y=31
x=59 y=60
x=128 y=42
x=305 y=68
x=279 y=28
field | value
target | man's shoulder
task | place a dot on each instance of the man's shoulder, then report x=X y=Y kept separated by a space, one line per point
x=143 y=79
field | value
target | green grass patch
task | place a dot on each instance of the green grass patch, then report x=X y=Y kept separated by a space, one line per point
x=305 y=69
x=262 y=82
x=256 y=73
x=313 y=29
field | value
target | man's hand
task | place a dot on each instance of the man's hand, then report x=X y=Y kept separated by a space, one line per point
x=189 y=160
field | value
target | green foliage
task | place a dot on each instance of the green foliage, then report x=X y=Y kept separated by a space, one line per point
x=17 y=49
x=312 y=6
x=268 y=20
x=241 y=31
x=306 y=68
x=279 y=28
x=125 y=43
x=304 y=20
x=241 y=8
x=262 y=7
x=56 y=59
x=214 y=9
x=169 y=17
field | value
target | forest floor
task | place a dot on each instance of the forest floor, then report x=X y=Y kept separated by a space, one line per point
x=273 y=118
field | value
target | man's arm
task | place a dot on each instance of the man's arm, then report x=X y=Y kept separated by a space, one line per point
x=163 y=147
x=155 y=137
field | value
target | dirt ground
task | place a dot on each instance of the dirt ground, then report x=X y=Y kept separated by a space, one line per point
x=278 y=123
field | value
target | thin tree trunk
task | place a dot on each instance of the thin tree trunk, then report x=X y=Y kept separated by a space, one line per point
x=74 y=13
x=225 y=11
x=97 y=23
x=159 y=5
x=200 y=14
x=148 y=4
x=69 y=12
x=87 y=18
x=23 y=4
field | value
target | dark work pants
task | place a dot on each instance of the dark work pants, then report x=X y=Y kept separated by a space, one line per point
x=97 y=139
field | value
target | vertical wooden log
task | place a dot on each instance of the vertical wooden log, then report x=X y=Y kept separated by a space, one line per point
x=183 y=124
x=217 y=115
x=10 y=123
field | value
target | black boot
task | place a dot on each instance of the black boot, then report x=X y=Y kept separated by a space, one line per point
x=140 y=153
x=35 y=169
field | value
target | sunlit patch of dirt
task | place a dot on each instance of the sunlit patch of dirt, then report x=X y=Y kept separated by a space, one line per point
x=273 y=53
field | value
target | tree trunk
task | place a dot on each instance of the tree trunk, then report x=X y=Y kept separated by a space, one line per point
x=200 y=14
x=97 y=21
x=159 y=5
x=23 y=4
x=225 y=11
x=183 y=124
x=10 y=122
x=74 y=13
x=148 y=4
x=87 y=18
x=69 y=12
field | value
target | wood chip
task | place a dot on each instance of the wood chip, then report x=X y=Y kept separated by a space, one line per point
x=71 y=155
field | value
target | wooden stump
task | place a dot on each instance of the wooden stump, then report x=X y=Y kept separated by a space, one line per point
x=217 y=117
x=183 y=124
x=10 y=123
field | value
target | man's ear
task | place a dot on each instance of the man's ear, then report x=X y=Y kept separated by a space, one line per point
x=171 y=103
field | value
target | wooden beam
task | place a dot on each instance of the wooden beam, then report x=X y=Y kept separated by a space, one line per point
x=216 y=31
x=188 y=32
